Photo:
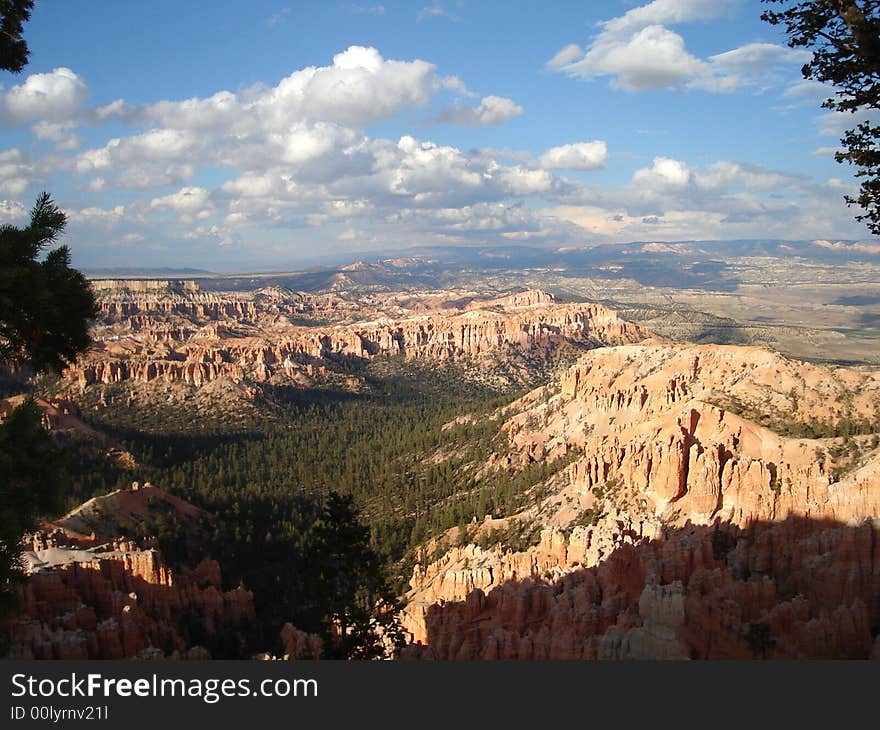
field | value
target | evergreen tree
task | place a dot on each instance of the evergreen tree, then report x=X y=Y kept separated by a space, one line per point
x=351 y=585
x=45 y=311
x=13 y=48
x=46 y=307
x=844 y=36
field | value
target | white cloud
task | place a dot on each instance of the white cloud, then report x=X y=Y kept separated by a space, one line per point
x=61 y=133
x=638 y=52
x=185 y=200
x=723 y=174
x=834 y=123
x=95 y=215
x=221 y=236
x=300 y=154
x=300 y=120
x=653 y=58
x=17 y=172
x=519 y=181
x=491 y=111
x=756 y=57
x=359 y=88
x=11 y=211
x=749 y=65
x=56 y=96
x=576 y=156
x=664 y=11
x=566 y=55
x=664 y=173
x=808 y=88
x=143 y=176
x=118 y=109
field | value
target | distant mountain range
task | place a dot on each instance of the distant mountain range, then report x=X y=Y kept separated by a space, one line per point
x=122 y=272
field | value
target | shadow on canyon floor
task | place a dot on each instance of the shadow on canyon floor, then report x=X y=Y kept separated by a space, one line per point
x=795 y=589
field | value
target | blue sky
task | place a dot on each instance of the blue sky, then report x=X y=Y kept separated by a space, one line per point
x=234 y=136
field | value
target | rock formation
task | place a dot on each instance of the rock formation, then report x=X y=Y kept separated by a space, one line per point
x=680 y=529
x=182 y=335
x=117 y=601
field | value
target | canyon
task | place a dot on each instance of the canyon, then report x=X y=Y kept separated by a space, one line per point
x=680 y=529
x=95 y=595
x=698 y=501
x=172 y=332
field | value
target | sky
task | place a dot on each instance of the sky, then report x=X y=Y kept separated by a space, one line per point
x=268 y=135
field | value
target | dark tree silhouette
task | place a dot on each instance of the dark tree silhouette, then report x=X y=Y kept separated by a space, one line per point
x=309 y=562
x=844 y=36
x=45 y=305
x=45 y=311
x=760 y=639
x=13 y=48
x=32 y=472
x=351 y=585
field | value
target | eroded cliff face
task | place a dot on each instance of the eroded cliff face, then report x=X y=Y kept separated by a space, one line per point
x=194 y=337
x=117 y=601
x=680 y=529
x=795 y=589
x=90 y=594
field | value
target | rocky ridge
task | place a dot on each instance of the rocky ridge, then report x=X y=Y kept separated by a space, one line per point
x=680 y=529
x=85 y=599
x=193 y=338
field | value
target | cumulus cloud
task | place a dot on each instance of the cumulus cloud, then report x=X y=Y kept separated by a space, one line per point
x=756 y=57
x=53 y=97
x=11 y=211
x=491 y=111
x=671 y=200
x=751 y=65
x=221 y=235
x=664 y=11
x=664 y=173
x=374 y=88
x=576 y=156
x=834 y=123
x=185 y=200
x=653 y=58
x=106 y=217
x=638 y=52
x=307 y=120
x=301 y=154
x=61 y=133
x=722 y=174
x=17 y=172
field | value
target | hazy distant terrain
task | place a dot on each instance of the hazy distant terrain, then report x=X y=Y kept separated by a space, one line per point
x=814 y=300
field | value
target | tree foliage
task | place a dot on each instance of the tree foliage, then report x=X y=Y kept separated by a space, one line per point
x=844 y=36
x=45 y=312
x=46 y=307
x=13 y=48
x=307 y=560
x=32 y=472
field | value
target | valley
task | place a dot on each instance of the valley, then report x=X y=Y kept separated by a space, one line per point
x=533 y=472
